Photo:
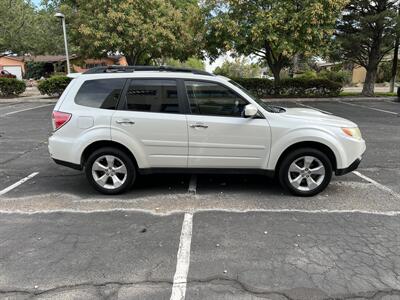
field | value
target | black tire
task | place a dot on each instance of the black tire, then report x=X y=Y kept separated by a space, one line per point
x=120 y=155
x=295 y=155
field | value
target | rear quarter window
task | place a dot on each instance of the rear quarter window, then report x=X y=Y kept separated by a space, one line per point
x=100 y=93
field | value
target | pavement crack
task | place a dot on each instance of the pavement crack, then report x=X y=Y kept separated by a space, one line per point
x=288 y=294
x=244 y=287
x=374 y=295
x=116 y=284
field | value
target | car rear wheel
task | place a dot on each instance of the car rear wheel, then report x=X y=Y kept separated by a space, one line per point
x=305 y=172
x=110 y=171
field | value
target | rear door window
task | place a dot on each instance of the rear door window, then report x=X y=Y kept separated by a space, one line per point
x=153 y=95
x=100 y=93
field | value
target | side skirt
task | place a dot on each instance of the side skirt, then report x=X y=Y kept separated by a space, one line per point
x=269 y=173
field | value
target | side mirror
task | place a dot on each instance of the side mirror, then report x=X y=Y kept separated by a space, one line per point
x=250 y=110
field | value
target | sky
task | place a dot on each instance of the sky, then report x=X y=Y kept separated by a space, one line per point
x=217 y=63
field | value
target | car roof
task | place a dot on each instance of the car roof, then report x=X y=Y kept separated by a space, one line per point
x=131 y=69
x=109 y=72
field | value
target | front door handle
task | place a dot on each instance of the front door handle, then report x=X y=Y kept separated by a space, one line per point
x=129 y=122
x=198 y=126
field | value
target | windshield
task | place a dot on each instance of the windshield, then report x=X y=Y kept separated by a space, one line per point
x=267 y=107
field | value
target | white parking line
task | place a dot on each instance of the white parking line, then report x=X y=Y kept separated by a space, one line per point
x=192 y=184
x=18 y=111
x=371 y=108
x=312 y=107
x=183 y=259
x=13 y=186
x=377 y=184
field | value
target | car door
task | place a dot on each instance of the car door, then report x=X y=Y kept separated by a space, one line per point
x=219 y=134
x=152 y=119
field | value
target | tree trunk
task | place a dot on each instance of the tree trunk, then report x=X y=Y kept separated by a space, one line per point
x=394 y=66
x=131 y=59
x=276 y=70
x=395 y=62
x=395 y=58
x=295 y=65
x=369 y=84
x=372 y=70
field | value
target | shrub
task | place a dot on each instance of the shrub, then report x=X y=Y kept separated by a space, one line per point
x=291 y=87
x=308 y=75
x=384 y=72
x=53 y=86
x=11 y=87
x=343 y=77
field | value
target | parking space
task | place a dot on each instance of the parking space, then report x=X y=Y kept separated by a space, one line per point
x=250 y=239
x=291 y=255
x=88 y=256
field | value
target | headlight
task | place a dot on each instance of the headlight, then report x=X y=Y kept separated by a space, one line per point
x=353 y=132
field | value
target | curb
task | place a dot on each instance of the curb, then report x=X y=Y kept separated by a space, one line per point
x=34 y=99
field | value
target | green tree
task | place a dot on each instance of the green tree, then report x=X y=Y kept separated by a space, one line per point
x=273 y=30
x=192 y=62
x=366 y=33
x=15 y=32
x=141 y=30
x=25 y=29
x=239 y=68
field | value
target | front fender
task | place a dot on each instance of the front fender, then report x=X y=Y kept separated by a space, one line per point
x=325 y=137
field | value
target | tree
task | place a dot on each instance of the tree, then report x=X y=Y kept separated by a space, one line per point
x=24 y=29
x=273 y=30
x=15 y=32
x=192 y=63
x=141 y=30
x=366 y=34
x=239 y=68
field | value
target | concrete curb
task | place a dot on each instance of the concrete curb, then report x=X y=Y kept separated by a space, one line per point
x=33 y=99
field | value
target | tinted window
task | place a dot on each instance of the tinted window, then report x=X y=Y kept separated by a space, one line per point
x=101 y=93
x=153 y=95
x=212 y=99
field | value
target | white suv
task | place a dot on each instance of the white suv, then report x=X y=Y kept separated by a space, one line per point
x=119 y=122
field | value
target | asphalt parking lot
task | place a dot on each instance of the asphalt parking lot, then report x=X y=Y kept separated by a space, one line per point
x=203 y=237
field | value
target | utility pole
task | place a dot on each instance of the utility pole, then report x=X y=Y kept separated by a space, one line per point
x=62 y=17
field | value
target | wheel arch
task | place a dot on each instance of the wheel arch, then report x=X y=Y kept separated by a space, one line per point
x=309 y=144
x=102 y=144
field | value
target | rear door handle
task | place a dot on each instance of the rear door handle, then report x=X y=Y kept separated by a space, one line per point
x=129 y=122
x=199 y=126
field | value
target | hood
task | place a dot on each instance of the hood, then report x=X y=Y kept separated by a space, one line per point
x=314 y=116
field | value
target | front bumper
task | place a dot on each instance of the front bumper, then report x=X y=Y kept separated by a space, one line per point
x=351 y=168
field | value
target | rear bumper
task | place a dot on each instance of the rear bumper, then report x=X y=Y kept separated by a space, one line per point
x=68 y=164
x=352 y=167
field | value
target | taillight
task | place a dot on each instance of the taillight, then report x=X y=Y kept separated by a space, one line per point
x=60 y=119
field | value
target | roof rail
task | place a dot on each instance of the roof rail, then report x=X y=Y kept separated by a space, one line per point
x=131 y=69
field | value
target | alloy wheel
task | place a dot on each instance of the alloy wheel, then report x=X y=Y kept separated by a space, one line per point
x=306 y=173
x=109 y=172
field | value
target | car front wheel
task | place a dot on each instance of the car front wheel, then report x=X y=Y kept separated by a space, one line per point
x=305 y=172
x=110 y=171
